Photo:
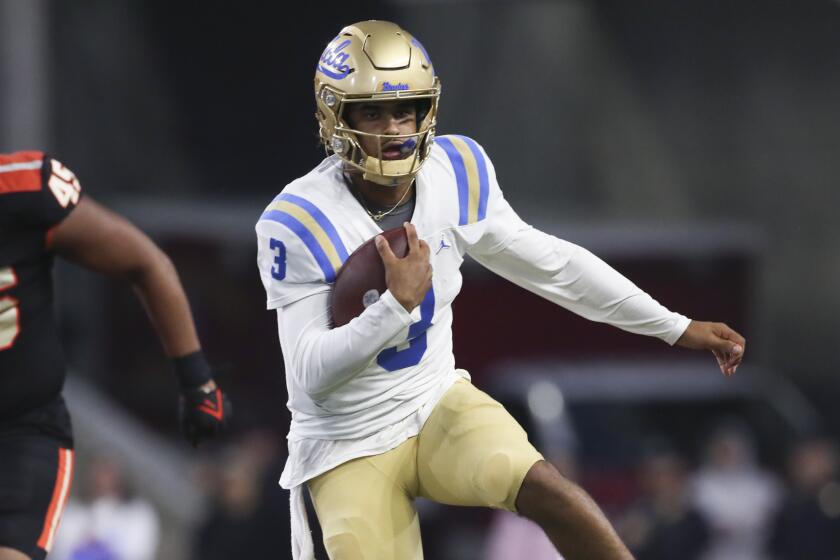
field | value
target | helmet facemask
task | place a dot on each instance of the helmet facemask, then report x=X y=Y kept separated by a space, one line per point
x=345 y=141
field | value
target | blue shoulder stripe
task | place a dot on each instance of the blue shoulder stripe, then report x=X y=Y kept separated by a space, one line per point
x=460 y=176
x=484 y=181
x=316 y=231
x=471 y=176
x=322 y=220
x=308 y=239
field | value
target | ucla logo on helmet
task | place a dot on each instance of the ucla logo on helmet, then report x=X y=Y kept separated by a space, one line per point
x=333 y=62
x=389 y=86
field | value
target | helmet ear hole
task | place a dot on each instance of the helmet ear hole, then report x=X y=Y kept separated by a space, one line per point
x=343 y=115
x=422 y=106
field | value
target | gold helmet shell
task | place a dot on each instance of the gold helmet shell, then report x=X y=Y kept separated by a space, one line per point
x=374 y=61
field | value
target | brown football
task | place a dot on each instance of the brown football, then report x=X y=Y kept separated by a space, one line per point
x=361 y=279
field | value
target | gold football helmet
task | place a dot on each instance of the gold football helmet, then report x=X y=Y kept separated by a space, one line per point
x=374 y=61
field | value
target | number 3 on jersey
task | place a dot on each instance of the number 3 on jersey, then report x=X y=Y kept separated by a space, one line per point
x=9 y=315
x=278 y=270
x=392 y=359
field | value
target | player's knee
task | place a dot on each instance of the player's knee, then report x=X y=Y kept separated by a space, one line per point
x=494 y=479
x=544 y=479
x=350 y=538
x=344 y=545
x=545 y=491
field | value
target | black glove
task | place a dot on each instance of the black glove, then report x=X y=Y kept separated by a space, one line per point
x=203 y=414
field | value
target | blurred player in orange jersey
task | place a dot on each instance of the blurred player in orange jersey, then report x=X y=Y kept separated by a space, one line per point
x=43 y=213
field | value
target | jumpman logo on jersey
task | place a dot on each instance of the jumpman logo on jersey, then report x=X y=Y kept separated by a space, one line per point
x=442 y=246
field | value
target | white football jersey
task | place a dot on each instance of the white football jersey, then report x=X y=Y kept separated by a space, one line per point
x=372 y=376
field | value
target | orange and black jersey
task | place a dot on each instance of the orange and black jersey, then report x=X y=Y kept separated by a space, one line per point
x=36 y=194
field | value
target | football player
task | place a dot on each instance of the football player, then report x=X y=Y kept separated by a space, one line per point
x=380 y=413
x=43 y=213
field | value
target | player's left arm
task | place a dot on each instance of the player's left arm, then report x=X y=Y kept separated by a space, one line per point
x=578 y=280
x=105 y=242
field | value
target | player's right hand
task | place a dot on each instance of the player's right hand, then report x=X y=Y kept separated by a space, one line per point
x=204 y=412
x=408 y=279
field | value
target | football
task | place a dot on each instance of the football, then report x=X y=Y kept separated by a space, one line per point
x=361 y=279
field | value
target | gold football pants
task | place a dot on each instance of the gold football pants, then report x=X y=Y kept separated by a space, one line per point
x=470 y=452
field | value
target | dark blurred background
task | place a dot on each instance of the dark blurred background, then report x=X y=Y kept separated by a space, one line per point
x=691 y=144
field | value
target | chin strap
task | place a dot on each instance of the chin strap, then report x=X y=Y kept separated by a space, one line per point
x=389 y=173
x=380 y=180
